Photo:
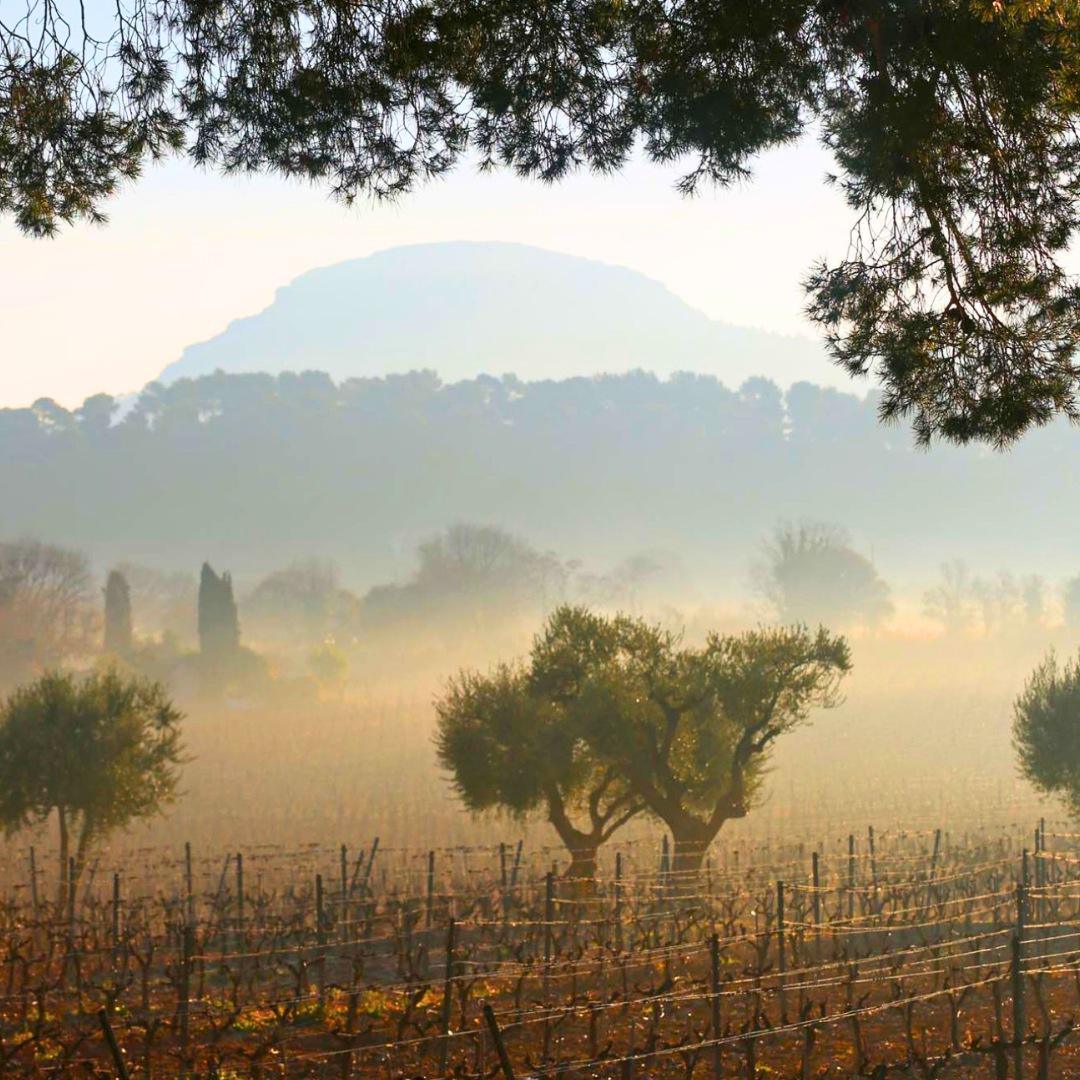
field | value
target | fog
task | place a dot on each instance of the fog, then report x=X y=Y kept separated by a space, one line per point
x=255 y=472
x=320 y=728
x=922 y=740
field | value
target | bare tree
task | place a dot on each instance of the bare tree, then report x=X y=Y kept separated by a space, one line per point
x=620 y=587
x=474 y=572
x=161 y=600
x=952 y=601
x=303 y=601
x=47 y=606
x=810 y=571
x=962 y=602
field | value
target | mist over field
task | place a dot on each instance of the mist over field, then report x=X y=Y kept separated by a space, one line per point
x=379 y=629
x=382 y=526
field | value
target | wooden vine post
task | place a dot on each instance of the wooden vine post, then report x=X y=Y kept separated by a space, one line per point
x=189 y=884
x=430 y=887
x=114 y=1047
x=320 y=941
x=618 y=902
x=497 y=1039
x=184 y=1003
x=116 y=910
x=448 y=997
x=781 y=950
x=34 y=885
x=1019 y=1021
x=549 y=919
x=239 y=937
x=851 y=875
x=343 y=871
x=714 y=1002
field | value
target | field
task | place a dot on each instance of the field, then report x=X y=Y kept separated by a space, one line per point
x=318 y=905
x=922 y=740
x=907 y=953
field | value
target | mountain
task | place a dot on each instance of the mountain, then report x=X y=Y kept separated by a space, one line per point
x=465 y=309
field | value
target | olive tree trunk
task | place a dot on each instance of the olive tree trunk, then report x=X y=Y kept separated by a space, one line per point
x=582 y=846
x=691 y=844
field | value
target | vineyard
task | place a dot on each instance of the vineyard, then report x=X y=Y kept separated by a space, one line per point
x=912 y=954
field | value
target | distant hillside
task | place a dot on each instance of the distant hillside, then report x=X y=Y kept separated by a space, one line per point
x=256 y=471
x=466 y=309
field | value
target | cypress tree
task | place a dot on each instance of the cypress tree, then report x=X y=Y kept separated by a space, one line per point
x=117 y=614
x=219 y=623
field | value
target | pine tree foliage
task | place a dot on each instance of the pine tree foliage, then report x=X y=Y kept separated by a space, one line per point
x=953 y=124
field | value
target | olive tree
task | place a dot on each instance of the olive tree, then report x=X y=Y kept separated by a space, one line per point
x=98 y=753
x=691 y=729
x=614 y=714
x=1046 y=730
x=512 y=744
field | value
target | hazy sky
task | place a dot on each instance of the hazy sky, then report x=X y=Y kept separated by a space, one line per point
x=106 y=308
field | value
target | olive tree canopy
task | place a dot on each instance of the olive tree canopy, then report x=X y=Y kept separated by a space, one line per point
x=512 y=748
x=953 y=125
x=1046 y=730
x=613 y=715
x=692 y=729
x=99 y=752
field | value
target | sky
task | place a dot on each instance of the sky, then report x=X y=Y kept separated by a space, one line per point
x=106 y=308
